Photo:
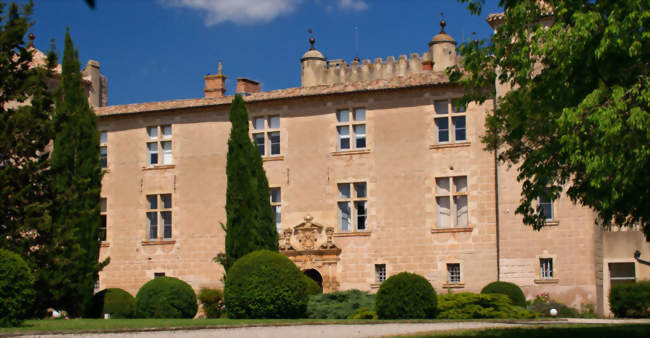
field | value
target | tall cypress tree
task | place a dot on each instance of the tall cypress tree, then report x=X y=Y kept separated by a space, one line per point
x=77 y=183
x=250 y=223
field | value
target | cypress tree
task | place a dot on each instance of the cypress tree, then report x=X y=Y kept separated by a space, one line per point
x=250 y=223
x=25 y=131
x=76 y=175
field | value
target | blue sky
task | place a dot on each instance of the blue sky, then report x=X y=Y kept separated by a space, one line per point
x=155 y=50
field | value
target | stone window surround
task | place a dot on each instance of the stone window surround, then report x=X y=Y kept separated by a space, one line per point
x=275 y=204
x=160 y=239
x=451 y=194
x=103 y=212
x=451 y=130
x=159 y=140
x=375 y=283
x=266 y=131
x=539 y=279
x=103 y=147
x=447 y=284
x=351 y=136
x=353 y=230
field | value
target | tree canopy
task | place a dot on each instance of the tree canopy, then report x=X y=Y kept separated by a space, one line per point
x=575 y=117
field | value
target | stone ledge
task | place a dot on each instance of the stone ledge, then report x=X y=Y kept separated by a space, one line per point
x=105 y=244
x=273 y=158
x=547 y=281
x=350 y=152
x=160 y=167
x=468 y=229
x=353 y=234
x=453 y=285
x=450 y=145
x=158 y=242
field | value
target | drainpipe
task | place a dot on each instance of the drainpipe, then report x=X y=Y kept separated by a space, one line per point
x=496 y=188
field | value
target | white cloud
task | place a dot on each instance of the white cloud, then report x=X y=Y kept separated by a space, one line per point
x=356 y=5
x=237 y=11
x=253 y=11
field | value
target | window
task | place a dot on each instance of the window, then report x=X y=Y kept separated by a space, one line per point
x=351 y=130
x=450 y=127
x=159 y=214
x=102 y=213
x=103 y=149
x=545 y=204
x=451 y=201
x=159 y=143
x=276 y=204
x=352 y=206
x=621 y=273
x=158 y=274
x=96 y=287
x=266 y=135
x=546 y=268
x=380 y=273
x=453 y=273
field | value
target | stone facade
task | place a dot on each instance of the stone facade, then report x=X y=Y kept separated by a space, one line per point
x=399 y=177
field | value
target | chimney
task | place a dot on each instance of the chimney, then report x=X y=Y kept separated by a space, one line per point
x=215 y=85
x=247 y=86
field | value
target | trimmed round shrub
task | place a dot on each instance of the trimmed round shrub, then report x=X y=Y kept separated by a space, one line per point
x=265 y=284
x=312 y=288
x=16 y=289
x=509 y=289
x=212 y=301
x=114 y=301
x=406 y=296
x=165 y=297
x=630 y=300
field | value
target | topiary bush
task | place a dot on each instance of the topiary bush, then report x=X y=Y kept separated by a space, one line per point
x=265 y=284
x=630 y=300
x=114 y=301
x=165 y=297
x=406 y=296
x=509 y=289
x=312 y=287
x=212 y=301
x=466 y=305
x=339 y=304
x=16 y=289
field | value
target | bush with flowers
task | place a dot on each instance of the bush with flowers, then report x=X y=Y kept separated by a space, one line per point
x=212 y=302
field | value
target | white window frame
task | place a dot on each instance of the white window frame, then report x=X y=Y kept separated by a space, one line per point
x=453 y=276
x=353 y=123
x=266 y=132
x=277 y=207
x=160 y=140
x=453 y=196
x=451 y=114
x=159 y=210
x=546 y=268
x=103 y=149
x=352 y=201
x=380 y=273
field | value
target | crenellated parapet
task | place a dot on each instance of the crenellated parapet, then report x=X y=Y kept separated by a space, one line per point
x=317 y=70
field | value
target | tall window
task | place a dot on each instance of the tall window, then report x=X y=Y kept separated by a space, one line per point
x=102 y=213
x=380 y=273
x=352 y=206
x=450 y=121
x=266 y=135
x=453 y=273
x=451 y=200
x=546 y=205
x=621 y=273
x=159 y=215
x=351 y=128
x=103 y=149
x=159 y=145
x=276 y=204
x=546 y=268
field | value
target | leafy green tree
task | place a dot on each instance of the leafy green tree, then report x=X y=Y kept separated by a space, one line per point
x=76 y=177
x=250 y=224
x=25 y=131
x=577 y=114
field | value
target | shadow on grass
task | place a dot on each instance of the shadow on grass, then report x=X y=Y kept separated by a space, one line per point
x=578 y=331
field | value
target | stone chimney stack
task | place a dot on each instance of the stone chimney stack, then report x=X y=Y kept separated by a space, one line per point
x=443 y=50
x=215 y=85
x=98 y=91
x=247 y=86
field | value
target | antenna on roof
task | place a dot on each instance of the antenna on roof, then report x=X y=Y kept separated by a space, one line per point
x=356 y=43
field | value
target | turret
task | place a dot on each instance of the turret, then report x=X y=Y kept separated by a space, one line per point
x=313 y=67
x=443 y=50
x=98 y=90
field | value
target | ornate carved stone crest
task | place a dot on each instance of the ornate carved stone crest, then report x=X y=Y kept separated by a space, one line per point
x=308 y=236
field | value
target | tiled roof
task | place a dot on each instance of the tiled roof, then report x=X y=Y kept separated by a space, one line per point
x=414 y=80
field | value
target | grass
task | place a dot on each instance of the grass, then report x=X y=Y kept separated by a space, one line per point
x=554 y=331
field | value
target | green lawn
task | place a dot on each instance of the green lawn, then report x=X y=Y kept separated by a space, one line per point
x=555 y=331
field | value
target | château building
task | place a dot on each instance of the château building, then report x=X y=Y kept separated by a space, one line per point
x=372 y=170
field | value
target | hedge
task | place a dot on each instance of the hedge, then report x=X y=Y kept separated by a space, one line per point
x=630 y=300
x=339 y=304
x=466 y=305
x=212 y=301
x=406 y=296
x=265 y=284
x=16 y=289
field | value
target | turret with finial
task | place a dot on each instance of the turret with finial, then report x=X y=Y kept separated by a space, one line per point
x=313 y=64
x=442 y=48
